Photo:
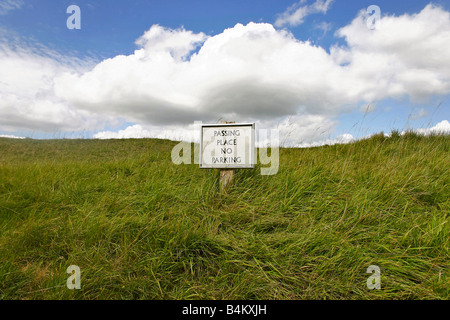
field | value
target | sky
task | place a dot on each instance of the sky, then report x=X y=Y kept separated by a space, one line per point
x=319 y=71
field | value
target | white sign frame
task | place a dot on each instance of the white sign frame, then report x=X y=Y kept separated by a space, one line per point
x=227 y=126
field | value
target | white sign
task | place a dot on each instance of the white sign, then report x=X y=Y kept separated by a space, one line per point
x=227 y=146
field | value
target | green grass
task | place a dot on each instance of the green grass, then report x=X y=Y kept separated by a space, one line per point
x=140 y=227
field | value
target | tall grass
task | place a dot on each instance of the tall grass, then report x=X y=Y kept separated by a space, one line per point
x=140 y=227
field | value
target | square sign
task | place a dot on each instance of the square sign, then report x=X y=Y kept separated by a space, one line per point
x=227 y=146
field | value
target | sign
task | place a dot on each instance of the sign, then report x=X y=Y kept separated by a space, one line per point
x=227 y=146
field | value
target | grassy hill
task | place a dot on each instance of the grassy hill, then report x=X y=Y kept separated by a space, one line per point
x=140 y=227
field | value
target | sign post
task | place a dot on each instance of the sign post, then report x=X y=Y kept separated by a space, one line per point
x=227 y=146
x=226 y=175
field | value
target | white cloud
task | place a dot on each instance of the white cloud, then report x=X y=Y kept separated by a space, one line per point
x=341 y=139
x=324 y=26
x=179 y=42
x=292 y=131
x=246 y=73
x=442 y=127
x=257 y=72
x=10 y=136
x=405 y=56
x=421 y=114
x=9 y=5
x=27 y=97
x=137 y=131
x=299 y=129
x=296 y=13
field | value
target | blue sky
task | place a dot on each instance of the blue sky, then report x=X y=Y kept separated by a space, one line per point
x=110 y=27
x=34 y=33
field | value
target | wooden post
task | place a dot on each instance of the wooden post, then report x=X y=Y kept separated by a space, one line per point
x=226 y=179
x=226 y=175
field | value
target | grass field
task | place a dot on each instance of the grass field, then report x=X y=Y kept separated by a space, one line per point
x=140 y=227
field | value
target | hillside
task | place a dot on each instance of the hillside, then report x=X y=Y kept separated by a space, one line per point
x=140 y=227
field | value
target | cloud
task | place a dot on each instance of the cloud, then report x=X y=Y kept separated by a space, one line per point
x=299 y=129
x=421 y=114
x=9 y=5
x=296 y=13
x=179 y=43
x=139 y=132
x=257 y=72
x=442 y=127
x=251 y=72
x=405 y=56
x=246 y=72
x=292 y=130
x=341 y=139
x=10 y=136
x=324 y=26
x=27 y=97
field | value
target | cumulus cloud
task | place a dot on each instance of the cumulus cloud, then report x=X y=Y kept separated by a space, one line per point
x=10 y=136
x=138 y=132
x=341 y=139
x=293 y=131
x=442 y=127
x=257 y=72
x=298 y=129
x=251 y=72
x=405 y=56
x=179 y=43
x=296 y=13
x=27 y=97
x=245 y=72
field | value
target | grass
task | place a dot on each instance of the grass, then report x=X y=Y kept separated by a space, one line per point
x=140 y=227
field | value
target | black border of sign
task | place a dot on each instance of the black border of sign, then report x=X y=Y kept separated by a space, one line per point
x=252 y=147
